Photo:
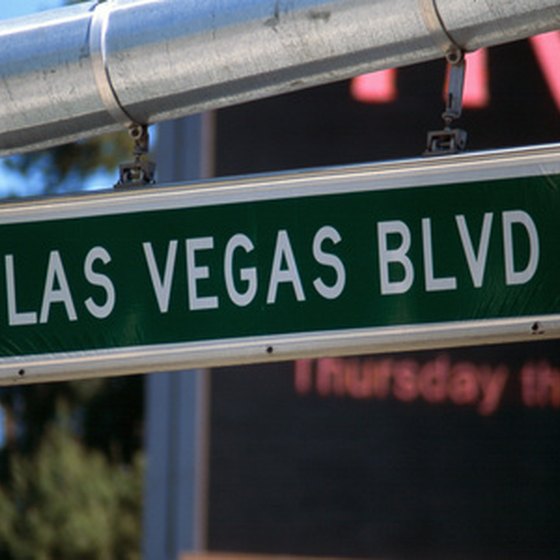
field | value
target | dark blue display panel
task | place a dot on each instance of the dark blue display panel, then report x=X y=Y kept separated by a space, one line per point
x=448 y=454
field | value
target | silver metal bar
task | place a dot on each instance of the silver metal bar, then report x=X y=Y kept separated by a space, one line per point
x=177 y=403
x=162 y=59
x=174 y=357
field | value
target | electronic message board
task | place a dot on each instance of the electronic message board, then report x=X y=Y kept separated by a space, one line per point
x=434 y=454
x=451 y=453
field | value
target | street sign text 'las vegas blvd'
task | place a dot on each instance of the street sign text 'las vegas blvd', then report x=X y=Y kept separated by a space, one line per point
x=393 y=256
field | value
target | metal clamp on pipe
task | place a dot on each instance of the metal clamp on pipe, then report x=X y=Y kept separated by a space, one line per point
x=101 y=74
x=440 y=34
x=140 y=171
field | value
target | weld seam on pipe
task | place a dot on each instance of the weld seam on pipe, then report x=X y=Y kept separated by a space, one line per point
x=436 y=27
x=101 y=74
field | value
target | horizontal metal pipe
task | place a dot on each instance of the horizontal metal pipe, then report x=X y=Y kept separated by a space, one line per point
x=85 y=69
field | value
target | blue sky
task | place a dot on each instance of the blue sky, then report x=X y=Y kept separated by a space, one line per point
x=12 y=182
x=15 y=8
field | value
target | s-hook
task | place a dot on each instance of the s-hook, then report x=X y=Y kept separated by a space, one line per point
x=450 y=140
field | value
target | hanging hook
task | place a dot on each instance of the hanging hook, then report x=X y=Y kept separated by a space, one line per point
x=450 y=140
x=141 y=171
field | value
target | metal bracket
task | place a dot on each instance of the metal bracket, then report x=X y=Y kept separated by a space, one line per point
x=450 y=140
x=141 y=171
x=446 y=141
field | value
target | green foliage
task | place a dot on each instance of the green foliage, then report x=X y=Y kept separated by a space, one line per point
x=63 y=167
x=71 y=474
x=106 y=413
x=67 y=501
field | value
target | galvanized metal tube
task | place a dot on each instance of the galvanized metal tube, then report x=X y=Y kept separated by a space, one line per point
x=73 y=72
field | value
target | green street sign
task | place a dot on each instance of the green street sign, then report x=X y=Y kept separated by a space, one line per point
x=405 y=255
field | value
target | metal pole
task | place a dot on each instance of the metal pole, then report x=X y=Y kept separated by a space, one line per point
x=177 y=403
x=86 y=69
